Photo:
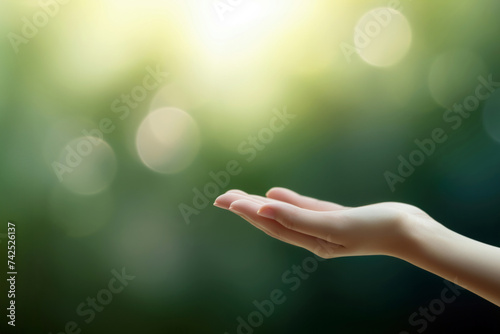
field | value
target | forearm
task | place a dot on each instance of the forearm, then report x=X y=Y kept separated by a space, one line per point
x=466 y=262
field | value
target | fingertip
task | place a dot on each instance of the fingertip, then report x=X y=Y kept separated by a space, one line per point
x=275 y=210
x=267 y=211
x=223 y=201
x=236 y=191
x=219 y=205
x=275 y=191
x=238 y=205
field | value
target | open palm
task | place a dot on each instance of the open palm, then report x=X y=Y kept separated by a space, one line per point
x=326 y=229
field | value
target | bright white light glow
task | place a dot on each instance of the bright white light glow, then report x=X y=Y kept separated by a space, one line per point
x=221 y=20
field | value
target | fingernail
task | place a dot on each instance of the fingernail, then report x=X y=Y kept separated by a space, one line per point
x=267 y=213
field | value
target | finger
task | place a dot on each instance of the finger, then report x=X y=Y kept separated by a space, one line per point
x=224 y=201
x=264 y=199
x=257 y=197
x=291 y=197
x=237 y=191
x=248 y=211
x=320 y=224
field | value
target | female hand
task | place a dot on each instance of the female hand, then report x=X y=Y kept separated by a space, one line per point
x=331 y=230
x=327 y=229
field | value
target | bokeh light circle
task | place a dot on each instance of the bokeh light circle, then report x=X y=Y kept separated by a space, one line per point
x=382 y=36
x=491 y=116
x=86 y=165
x=454 y=75
x=168 y=140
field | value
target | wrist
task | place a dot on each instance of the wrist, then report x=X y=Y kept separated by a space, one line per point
x=417 y=234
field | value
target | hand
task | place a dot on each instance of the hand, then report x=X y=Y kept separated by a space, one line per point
x=331 y=230
x=327 y=229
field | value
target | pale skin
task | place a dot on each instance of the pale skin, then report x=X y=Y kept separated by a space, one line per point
x=331 y=230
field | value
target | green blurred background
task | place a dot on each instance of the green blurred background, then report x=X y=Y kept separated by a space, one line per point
x=222 y=68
